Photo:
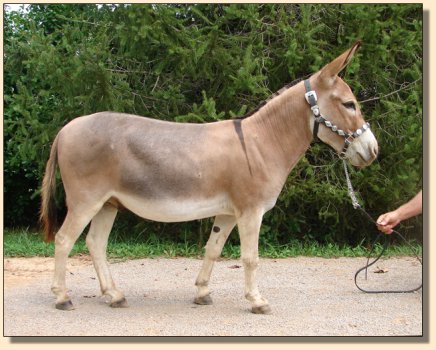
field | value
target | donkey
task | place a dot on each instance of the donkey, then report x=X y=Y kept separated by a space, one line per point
x=172 y=172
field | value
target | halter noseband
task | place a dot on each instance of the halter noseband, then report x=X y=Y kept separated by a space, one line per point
x=312 y=99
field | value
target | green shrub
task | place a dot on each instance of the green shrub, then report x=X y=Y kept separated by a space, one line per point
x=205 y=62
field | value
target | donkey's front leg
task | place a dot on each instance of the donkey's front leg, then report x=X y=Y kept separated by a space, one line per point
x=249 y=226
x=221 y=229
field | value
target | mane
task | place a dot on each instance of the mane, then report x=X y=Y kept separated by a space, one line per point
x=274 y=95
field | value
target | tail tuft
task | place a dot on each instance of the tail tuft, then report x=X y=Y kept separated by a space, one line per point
x=48 y=214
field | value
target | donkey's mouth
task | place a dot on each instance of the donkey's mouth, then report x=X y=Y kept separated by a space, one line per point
x=364 y=160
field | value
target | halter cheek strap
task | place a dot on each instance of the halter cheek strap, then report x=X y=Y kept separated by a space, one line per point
x=312 y=100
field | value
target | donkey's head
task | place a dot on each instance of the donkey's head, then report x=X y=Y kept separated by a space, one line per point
x=343 y=126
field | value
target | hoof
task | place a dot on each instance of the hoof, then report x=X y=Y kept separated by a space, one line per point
x=66 y=306
x=119 y=303
x=263 y=309
x=206 y=300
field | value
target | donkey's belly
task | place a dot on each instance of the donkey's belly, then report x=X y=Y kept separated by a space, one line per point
x=176 y=209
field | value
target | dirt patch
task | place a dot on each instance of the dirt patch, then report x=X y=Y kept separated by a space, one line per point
x=22 y=271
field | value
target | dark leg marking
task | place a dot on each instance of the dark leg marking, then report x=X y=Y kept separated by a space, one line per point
x=216 y=229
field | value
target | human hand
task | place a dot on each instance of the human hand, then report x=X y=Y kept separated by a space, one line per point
x=388 y=221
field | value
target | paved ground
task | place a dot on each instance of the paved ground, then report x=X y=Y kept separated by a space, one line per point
x=308 y=296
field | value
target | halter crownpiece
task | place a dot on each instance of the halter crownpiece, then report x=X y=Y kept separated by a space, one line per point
x=312 y=99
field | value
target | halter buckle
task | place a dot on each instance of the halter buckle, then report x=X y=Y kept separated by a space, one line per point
x=311 y=97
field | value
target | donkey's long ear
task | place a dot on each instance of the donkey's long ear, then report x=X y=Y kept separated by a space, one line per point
x=331 y=70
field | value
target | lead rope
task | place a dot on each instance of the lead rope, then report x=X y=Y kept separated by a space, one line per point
x=356 y=205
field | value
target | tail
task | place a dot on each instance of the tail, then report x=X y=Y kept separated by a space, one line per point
x=48 y=215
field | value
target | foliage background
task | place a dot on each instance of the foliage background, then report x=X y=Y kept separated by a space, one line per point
x=201 y=63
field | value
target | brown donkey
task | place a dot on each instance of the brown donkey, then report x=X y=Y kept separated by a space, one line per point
x=171 y=172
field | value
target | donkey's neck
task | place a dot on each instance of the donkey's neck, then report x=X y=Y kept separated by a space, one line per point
x=283 y=128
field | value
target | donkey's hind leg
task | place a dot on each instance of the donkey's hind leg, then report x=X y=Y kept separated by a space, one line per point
x=221 y=229
x=65 y=238
x=96 y=240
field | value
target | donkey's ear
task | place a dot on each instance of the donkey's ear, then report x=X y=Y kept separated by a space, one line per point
x=331 y=70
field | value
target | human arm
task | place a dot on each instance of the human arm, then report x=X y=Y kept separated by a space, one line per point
x=386 y=222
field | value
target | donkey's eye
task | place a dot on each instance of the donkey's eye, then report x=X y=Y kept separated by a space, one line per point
x=350 y=105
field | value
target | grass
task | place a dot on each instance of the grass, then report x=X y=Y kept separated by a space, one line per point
x=23 y=243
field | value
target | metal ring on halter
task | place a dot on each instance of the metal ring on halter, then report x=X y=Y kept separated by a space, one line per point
x=347 y=144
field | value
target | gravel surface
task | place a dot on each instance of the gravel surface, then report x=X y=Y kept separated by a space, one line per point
x=308 y=297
